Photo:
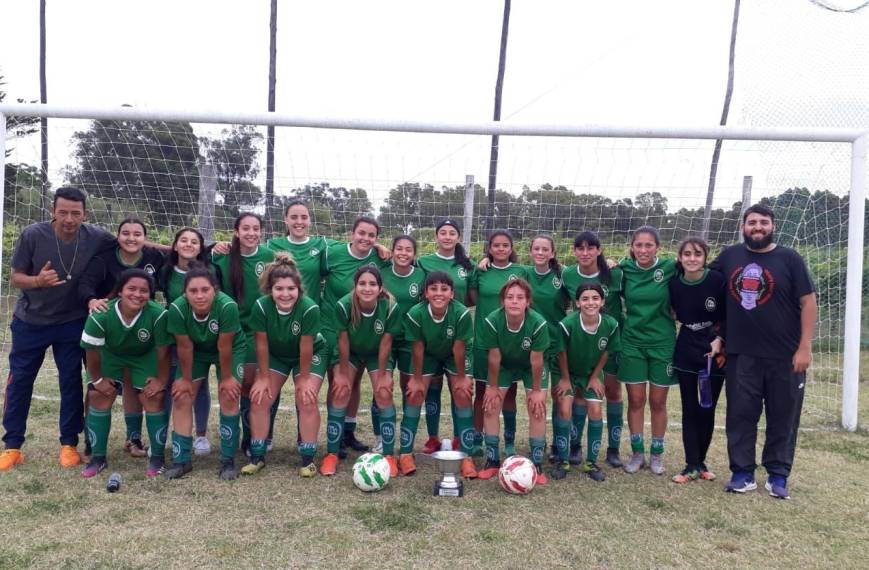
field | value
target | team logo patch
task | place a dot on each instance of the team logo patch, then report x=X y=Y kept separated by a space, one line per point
x=332 y=431
x=467 y=438
x=556 y=283
x=606 y=290
x=296 y=328
x=378 y=326
x=526 y=343
x=314 y=252
x=595 y=449
x=144 y=335
x=537 y=455
x=150 y=269
x=658 y=276
x=406 y=437
x=710 y=304
x=387 y=431
x=450 y=332
x=160 y=436
x=213 y=326
x=432 y=408
x=512 y=277
x=413 y=290
x=225 y=433
x=617 y=433
x=259 y=268
x=751 y=285
x=239 y=371
x=176 y=450
x=315 y=359
x=601 y=344
x=462 y=273
x=91 y=436
x=669 y=369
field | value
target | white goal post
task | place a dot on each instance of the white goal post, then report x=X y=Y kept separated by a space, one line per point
x=858 y=139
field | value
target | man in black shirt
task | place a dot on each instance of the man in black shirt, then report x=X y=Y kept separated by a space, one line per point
x=771 y=311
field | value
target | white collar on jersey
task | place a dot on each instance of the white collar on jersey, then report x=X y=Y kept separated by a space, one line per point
x=433 y=318
x=597 y=326
x=121 y=317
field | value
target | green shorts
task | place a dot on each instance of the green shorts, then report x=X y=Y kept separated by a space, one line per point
x=250 y=339
x=507 y=377
x=481 y=364
x=654 y=365
x=287 y=366
x=201 y=368
x=436 y=367
x=403 y=358
x=140 y=368
x=612 y=363
x=368 y=361
x=579 y=386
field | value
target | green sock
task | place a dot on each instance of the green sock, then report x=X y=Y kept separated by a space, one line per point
x=228 y=435
x=478 y=438
x=273 y=413
x=99 y=422
x=538 y=447
x=578 y=418
x=158 y=424
x=595 y=433
x=375 y=419
x=456 y=430
x=245 y=418
x=409 y=425
x=562 y=437
x=308 y=449
x=181 y=446
x=258 y=448
x=387 y=429
x=433 y=408
x=614 y=423
x=492 y=445
x=637 y=445
x=334 y=428
x=657 y=447
x=509 y=426
x=465 y=424
x=133 y=420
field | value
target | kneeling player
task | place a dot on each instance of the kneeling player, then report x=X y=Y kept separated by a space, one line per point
x=587 y=337
x=128 y=340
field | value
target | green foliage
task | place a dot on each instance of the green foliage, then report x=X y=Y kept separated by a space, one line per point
x=235 y=156
x=22 y=198
x=17 y=127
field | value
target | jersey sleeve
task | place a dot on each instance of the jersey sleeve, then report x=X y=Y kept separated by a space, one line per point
x=176 y=324
x=94 y=335
x=563 y=340
x=411 y=326
x=22 y=258
x=488 y=337
x=540 y=336
x=311 y=320
x=615 y=343
x=257 y=320
x=342 y=314
x=393 y=321
x=230 y=321
x=802 y=281
x=161 y=330
x=464 y=326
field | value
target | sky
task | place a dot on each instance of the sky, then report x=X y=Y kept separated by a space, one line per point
x=568 y=62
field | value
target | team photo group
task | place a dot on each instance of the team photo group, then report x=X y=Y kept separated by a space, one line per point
x=589 y=340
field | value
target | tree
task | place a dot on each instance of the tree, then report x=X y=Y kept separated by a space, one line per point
x=17 y=127
x=343 y=205
x=22 y=199
x=150 y=163
x=235 y=157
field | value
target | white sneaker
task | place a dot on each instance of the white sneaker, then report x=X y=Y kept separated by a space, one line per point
x=378 y=445
x=201 y=445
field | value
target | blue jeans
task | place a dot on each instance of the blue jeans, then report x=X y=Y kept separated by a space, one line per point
x=29 y=343
x=202 y=403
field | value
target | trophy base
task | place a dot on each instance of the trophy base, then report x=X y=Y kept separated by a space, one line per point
x=451 y=491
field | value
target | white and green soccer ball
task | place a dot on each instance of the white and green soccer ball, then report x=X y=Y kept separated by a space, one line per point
x=371 y=472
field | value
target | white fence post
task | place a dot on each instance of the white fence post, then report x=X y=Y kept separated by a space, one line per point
x=469 y=212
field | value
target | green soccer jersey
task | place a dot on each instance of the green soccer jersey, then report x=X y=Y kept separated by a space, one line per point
x=252 y=266
x=548 y=295
x=488 y=285
x=108 y=331
x=308 y=255
x=648 y=321
x=284 y=330
x=174 y=284
x=584 y=347
x=365 y=336
x=572 y=278
x=461 y=276
x=339 y=266
x=407 y=290
x=204 y=332
x=439 y=335
x=517 y=345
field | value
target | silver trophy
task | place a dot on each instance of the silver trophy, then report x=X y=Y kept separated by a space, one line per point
x=449 y=463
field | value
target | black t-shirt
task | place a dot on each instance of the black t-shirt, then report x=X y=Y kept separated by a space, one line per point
x=763 y=293
x=104 y=270
x=699 y=307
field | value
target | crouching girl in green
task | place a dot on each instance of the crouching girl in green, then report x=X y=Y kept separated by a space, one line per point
x=586 y=339
x=286 y=325
x=127 y=341
x=207 y=332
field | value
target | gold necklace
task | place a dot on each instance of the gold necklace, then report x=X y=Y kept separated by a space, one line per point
x=74 y=255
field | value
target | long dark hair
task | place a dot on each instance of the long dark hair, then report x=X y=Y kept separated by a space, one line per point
x=460 y=257
x=507 y=235
x=590 y=239
x=296 y=202
x=236 y=267
x=553 y=261
x=644 y=230
x=198 y=269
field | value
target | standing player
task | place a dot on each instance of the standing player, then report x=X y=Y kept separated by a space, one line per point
x=697 y=296
x=307 y=250
x=441 y=334
x=771 y=315
x=286 y=325
x=516 y=338
x=127 y=343
x=591 y=267
x=451 y=258
x=367 y=319
x=647 y=344
x=207 y=332
x=585 y=339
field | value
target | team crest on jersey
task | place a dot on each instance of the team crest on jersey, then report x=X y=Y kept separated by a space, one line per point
x=213 y=326
x=413 y=290
x=296 y=328
x=658 y=276
x=450 y=332
x=526 y=343
x=259 y=268
x=315 y=359
x=556 y=282
x=314 y=252
x=605 y=289
x=378 y=326
x=239 y=371
x=669 y=369
x=462 y=273
x=144 y=335
x=512 y=277
x=710 y=304
x=150 y=269
x=601 y=344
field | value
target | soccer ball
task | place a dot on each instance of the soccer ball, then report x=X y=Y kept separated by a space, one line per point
x=371 y=472
x=517 y=475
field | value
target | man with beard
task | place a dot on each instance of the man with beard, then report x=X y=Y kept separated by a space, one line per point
x=771 y=312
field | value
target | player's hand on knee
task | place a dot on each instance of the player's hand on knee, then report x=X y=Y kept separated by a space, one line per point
x=182 y=390
x=537 y=403
x=259 y=390
x=462 y=386
x=229 y=388
x=492 y=399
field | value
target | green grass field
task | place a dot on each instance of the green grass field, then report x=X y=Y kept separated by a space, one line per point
x=55 y=519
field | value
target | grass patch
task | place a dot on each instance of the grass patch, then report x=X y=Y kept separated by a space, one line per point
x=399 y=516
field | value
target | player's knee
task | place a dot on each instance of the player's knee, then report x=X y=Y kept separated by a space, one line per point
x=383 y=394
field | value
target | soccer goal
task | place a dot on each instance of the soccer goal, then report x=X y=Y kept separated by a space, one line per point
x=178 y=168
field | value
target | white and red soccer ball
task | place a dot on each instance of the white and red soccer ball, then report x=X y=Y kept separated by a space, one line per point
x=517 y=475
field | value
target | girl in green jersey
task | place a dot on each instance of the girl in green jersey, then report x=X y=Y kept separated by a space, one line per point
x=307 y=250
x=592 y=267
x=648 y=341
x=451 y=258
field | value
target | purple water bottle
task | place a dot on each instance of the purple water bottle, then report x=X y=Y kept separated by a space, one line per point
x=704 y=385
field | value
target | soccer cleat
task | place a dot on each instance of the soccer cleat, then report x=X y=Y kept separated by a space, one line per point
x=613 y=459
x=490 y=470
x=329 y=465
x=637 y=462
x=560 y=471
x=378 y=444
x=777 y=486
x=270 y=445
x=254 y=467
x=201 y=446
x=432 y=444
x=741 y=482
x=178 y=470
x=342 y=450
x=393 y=466
x=705 y=473
x=406 y=464
x=69 y=456
x=593 y=471
x=353 y=443
x=575 y=457
x=509 y=449
x=656 y=463
x=10 y=458
x=541 y=479
x=468 y=469
x=135 y=448
x=309 y=470
x=686 y=476
x=156 y=467
x=553 y=454
x=228 y=471
x=96 y=465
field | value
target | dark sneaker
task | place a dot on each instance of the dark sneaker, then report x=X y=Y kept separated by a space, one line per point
x=593 y=471
x=178 y=470
x=560 y=471
x=575 y=457
x=613 y=459
x=96 y=466
x=156 y=467
x=777 y=487
x=353 y=443
x=342 y=450
x=227 y=471
x=553 y=454
x=741 y=482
